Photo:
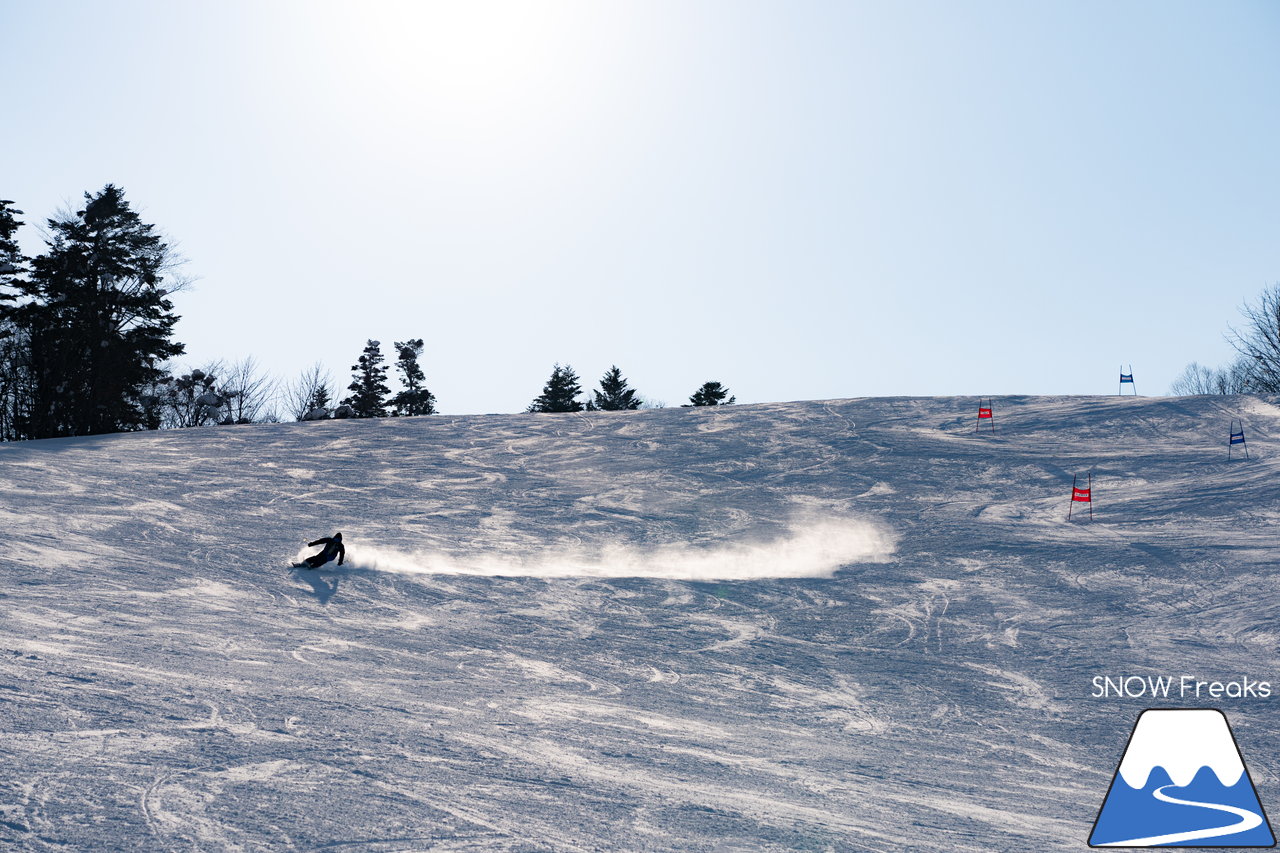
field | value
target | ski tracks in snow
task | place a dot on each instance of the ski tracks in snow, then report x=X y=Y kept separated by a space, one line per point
x=164 y=690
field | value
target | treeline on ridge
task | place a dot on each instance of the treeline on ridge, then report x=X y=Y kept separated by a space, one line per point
x=87 y=345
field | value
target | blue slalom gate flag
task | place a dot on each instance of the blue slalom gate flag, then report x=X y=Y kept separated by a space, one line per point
x=1127 y=379
x=1237 y=437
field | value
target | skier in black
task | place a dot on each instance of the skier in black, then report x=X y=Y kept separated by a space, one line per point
x=332 y=548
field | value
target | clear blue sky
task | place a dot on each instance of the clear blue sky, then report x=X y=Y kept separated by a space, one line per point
x=799 y=199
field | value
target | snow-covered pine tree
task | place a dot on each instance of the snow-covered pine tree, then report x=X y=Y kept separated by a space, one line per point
x=368 y=386
x=97 y=322
x=711 y=394
x=614 y=393
x=414 y=399
x=193 y=399
x=560 y=393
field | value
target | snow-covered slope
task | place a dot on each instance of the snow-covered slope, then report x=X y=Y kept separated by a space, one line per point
x=908 y=666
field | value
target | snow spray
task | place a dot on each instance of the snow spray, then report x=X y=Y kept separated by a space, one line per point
x=814 y=549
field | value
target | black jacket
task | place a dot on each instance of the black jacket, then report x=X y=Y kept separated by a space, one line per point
x=332 y=547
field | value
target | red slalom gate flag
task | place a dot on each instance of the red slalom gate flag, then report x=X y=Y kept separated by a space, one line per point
x=1084 y=496
x=985 y=413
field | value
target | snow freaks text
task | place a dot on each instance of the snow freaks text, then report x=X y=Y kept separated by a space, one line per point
x=1179 y=687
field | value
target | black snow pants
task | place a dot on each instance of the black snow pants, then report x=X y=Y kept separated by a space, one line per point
x=315 y=561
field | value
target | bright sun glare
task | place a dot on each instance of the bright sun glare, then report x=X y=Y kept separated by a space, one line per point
x=478 y=64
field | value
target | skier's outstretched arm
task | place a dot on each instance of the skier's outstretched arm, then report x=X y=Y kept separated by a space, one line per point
x=322 y=541
x=342 y=553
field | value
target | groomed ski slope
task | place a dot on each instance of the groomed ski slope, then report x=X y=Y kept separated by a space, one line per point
x=908 y=667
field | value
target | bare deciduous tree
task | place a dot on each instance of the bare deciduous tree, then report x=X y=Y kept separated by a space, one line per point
x=313 y=388
x=1198 y=379
x=1259 y=341
x=247 y=392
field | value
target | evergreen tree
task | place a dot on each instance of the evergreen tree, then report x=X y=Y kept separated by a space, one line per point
x=711 y=394
x=97 y=321
x=368 y=386
x=153 y=402
x=13 y=265
x=13 y=376
x=414 y=399
x=319 y=399
x=560 y=393
x=15 y=381
x=614 y=394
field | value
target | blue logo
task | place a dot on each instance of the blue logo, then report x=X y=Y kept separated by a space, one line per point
x=1182 y=783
